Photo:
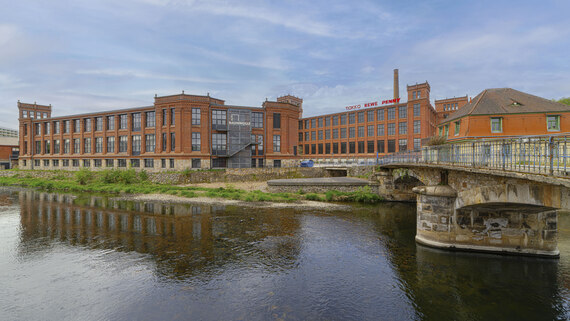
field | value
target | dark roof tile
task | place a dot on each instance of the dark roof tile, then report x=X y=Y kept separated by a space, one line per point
x=500 y=101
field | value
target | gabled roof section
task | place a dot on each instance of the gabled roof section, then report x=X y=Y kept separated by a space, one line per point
x=499 y=101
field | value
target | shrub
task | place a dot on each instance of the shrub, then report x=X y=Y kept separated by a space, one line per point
x=143 y=175
x=365 y=195
x=109 y=176
x=436 y=140
x=84 y=176
x=128 y=176
x=187 y=173
x=313 y=197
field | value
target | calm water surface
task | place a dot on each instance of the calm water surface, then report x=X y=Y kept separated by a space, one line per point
x=91 y=258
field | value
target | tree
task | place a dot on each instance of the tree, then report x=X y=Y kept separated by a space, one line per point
x=564 y=100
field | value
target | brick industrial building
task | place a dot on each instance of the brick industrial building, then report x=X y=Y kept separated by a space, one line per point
x=177 y=132
x=190 y=131
x=9 y=147
x=505 y=112
x=370 y=131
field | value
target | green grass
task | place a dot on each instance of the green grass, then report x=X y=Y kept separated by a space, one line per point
x=114 y=181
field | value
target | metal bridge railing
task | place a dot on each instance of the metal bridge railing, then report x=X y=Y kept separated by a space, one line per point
x=526 y=154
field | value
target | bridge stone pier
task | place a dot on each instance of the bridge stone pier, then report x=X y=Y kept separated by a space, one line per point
x=481 y=210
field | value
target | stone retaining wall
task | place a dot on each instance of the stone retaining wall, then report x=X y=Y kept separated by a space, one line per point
x=319 y=188
x=206 y=176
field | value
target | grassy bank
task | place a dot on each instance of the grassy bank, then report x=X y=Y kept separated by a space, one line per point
x=114 y=181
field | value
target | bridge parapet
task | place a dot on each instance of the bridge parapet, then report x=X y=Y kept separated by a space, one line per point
x=548 y=154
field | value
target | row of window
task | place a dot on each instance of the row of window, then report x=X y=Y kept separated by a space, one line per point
x=361 y=147
x=219 y=117
x=98 y=123
x=121 y=163
x=452 y=106
x=34 y=114
x=552 y=124
x=363 y=131
x=219 y=144
x=361 y=116
x=66 y=146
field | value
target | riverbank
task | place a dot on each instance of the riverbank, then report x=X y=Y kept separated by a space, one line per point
x=206 y=200
x=132 y=184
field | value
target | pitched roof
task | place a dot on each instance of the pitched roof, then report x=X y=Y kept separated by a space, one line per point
x=497 y=101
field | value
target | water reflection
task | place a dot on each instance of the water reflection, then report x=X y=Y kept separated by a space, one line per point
x=184 y=239
x=101 y=258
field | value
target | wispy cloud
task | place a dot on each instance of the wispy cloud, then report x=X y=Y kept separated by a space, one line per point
x=149 y=75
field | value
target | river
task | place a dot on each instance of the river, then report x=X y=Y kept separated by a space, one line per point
x=92 y=258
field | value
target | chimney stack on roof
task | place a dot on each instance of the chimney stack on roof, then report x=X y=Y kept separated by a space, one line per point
x=396 y=84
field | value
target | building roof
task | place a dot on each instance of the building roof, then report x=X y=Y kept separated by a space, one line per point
x=499 y=101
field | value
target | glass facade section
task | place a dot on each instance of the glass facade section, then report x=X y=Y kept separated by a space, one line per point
x=257 y=120
x=219 y=117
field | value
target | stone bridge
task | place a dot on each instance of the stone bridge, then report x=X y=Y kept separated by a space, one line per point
x=480 y=209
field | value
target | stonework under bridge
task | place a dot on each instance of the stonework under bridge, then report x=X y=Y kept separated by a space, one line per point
x=479 y=209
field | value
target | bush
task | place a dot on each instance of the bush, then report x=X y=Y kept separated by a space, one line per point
x=365 y=195
x=313 y=197
x=436 y=140
x=84 y=176
x=109 y=176
x=143 y=175
x=128 y=176
x=187 y=173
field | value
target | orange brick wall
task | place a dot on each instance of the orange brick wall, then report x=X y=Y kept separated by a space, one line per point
x=513 y=125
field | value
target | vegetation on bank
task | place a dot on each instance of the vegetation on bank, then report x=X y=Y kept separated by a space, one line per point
x=115 y=181
x=565 y=100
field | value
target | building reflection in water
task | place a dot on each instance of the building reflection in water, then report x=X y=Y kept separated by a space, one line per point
x=182 y=238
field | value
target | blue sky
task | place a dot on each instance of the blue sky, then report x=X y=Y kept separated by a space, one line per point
x=86 y=55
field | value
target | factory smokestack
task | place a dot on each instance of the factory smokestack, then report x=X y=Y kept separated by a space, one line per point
x=396 y=84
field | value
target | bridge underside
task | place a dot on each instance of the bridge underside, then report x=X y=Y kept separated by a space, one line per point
x=507 y=228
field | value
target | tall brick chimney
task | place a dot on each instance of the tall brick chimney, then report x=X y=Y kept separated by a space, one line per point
x=396 y=84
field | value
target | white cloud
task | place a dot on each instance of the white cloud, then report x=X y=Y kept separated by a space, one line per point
x=148 y=75
x=498 y=44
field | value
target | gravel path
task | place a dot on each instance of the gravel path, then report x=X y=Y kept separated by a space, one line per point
x=246 y=186
x=207 y=200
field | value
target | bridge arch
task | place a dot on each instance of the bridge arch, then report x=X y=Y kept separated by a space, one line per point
x=534 y=195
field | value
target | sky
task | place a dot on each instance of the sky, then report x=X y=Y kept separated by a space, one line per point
x=87 y=55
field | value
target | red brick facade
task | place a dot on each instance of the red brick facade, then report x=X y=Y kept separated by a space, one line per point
x=445 y=107
x=175 y=133
x=366 y=132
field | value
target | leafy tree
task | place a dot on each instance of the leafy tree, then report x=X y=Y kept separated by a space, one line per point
x=564 y=100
